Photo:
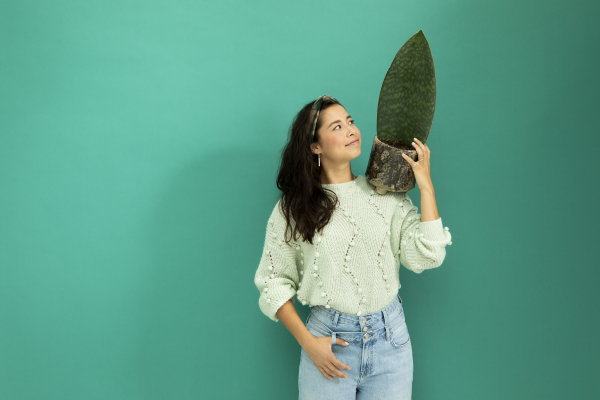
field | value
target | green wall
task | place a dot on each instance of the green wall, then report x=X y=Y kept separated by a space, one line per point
x=139 y=143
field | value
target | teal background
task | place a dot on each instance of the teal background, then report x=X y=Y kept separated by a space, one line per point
x=139 y=143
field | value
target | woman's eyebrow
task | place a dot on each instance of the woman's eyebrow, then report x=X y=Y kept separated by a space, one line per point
x=337 y=120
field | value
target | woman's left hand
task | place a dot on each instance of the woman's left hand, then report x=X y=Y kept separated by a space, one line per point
x=421 y=168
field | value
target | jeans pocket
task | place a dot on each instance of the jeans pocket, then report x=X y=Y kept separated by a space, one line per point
x=348 y=332
x=317 y=328
x=399 y=332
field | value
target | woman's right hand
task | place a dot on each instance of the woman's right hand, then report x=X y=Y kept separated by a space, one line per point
x=319 y=351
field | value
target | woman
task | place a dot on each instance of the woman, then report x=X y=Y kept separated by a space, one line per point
x=336 y=244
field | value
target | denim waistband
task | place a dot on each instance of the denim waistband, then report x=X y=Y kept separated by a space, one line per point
x=376 y=320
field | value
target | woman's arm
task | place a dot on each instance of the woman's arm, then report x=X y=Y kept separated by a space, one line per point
x=276 y=277
x=289 y=316
x=429 y=211
x=422 y=171
x=420 y=244
x=423 y=237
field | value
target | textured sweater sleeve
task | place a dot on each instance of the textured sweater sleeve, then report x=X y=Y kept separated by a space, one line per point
x=276 y=277
x=422 y=245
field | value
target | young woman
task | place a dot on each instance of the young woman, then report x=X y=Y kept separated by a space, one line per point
x=336 y=244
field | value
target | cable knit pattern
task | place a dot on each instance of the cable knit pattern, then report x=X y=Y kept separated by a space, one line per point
x=353 y=265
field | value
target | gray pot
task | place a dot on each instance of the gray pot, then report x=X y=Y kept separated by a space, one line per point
x=388 y=170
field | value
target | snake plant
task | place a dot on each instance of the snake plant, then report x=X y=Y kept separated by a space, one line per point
x=405 y=111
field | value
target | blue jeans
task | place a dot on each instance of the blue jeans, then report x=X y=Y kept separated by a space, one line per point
x=379 y=355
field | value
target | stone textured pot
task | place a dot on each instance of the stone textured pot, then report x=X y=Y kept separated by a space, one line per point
x=387 y=170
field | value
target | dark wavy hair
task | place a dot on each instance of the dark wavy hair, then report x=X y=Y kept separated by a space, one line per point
x=306 y=205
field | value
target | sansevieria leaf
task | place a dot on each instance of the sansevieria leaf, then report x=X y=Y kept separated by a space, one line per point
x=407 y=97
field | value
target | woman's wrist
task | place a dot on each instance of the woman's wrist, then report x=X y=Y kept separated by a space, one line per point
x=305 y=339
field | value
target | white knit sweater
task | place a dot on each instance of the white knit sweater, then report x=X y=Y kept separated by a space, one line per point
x=354 y=264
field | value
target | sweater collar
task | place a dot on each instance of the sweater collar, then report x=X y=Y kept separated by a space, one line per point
x=344 y=187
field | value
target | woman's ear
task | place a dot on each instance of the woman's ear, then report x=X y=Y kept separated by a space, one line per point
x=314 y=147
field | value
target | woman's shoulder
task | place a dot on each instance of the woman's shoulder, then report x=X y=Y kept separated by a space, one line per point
x=277 y=212
x=277 y=216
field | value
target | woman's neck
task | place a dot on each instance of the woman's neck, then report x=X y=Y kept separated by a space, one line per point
x=336 y=180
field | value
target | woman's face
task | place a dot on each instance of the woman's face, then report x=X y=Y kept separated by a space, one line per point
x=339 y=139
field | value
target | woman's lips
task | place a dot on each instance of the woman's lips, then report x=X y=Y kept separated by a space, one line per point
x=352 y=143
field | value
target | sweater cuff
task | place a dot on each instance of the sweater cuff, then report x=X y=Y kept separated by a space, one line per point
x=283 y=294
x=433 y=230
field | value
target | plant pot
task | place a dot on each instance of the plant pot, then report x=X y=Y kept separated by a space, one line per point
x=387 y=170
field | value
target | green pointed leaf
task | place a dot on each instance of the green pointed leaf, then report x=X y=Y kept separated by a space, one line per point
x=407 y=98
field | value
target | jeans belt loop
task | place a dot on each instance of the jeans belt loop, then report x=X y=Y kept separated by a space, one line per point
x=336 y=316
x=386 y=324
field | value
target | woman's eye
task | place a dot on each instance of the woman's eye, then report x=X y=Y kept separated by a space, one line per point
x=350 y=121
